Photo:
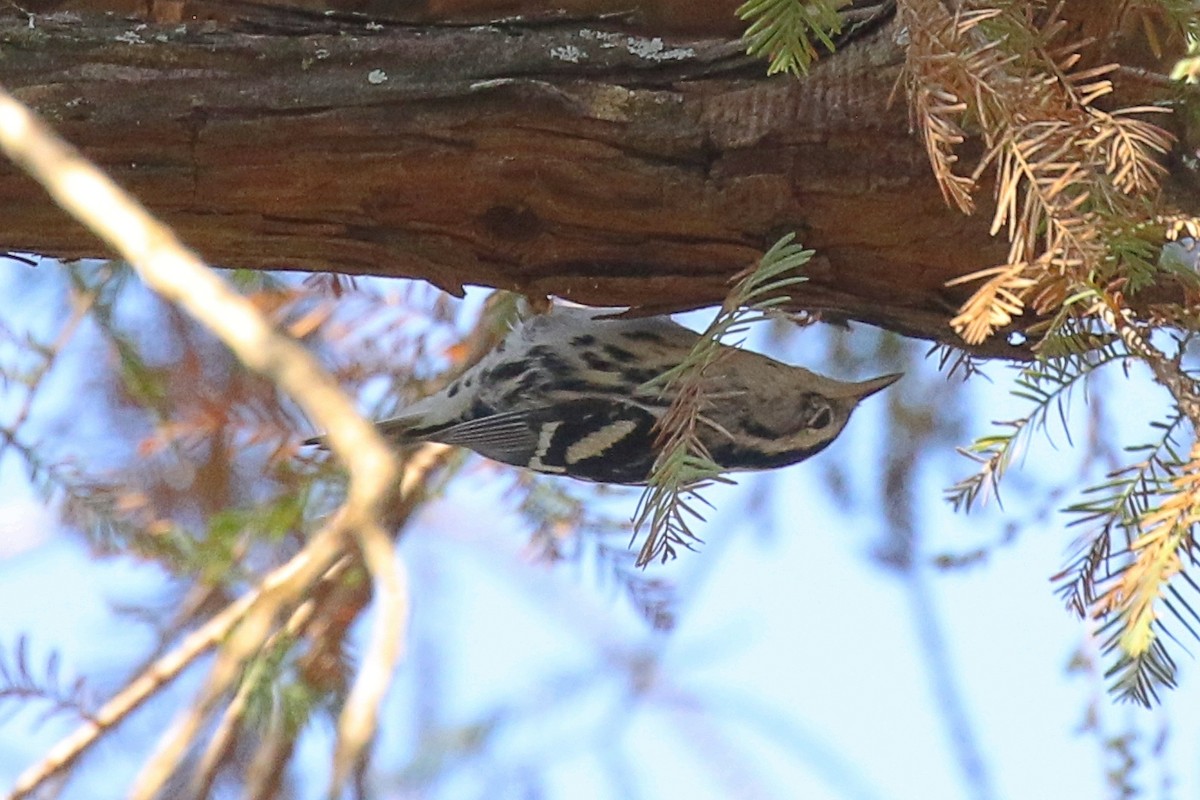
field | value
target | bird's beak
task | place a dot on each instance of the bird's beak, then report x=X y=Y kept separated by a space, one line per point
x=868 y=388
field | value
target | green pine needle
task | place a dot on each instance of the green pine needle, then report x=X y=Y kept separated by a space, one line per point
x=1135 y=643
x=1067 y=356
x=783 y=31
x=684 y=467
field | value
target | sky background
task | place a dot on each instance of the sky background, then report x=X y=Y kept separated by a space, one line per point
x=801 y=662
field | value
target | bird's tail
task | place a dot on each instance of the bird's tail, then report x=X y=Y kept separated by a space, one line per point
x=395 y=430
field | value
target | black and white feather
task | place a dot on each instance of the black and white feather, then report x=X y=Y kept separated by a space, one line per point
x=560 y=394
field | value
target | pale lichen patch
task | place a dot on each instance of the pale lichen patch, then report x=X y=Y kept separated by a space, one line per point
x=568 y=52
x=607 y=40
x=655 y=50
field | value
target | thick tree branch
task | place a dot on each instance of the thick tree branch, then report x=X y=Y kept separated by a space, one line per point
x=573 y=159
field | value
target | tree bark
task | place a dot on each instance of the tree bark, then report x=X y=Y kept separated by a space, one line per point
x=563 y=157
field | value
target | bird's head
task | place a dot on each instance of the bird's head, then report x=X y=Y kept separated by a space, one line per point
x=793 y=423
x=819 y=415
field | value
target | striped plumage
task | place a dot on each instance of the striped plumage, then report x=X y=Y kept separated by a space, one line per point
x=559 y=395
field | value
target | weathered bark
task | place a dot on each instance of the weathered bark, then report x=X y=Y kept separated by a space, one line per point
x=568 y=158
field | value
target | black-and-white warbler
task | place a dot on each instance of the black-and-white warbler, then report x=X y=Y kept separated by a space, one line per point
x=561 y=394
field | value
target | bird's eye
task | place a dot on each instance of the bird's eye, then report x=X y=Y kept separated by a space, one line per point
x=816 y=412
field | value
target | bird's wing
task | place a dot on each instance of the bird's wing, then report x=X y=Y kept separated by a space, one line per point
x=594 y=439
x=510 y=437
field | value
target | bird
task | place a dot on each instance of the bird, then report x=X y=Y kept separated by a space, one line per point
x=565 y=393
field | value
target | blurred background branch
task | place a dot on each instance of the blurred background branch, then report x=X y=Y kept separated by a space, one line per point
x=161 y=260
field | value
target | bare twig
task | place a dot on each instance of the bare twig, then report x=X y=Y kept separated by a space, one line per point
x=180 y=276
x=310 y=562
x=80 y=307
x=1168 y=372
x=224 y=735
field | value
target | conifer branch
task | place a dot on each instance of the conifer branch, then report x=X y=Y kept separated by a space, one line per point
x=684 y=467
x=1077 y=199
x=783 y=31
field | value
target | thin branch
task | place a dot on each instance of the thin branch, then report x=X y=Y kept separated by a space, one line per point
x=309 y=563
x=180 y=276
x=223 y=737
x=1167 y=372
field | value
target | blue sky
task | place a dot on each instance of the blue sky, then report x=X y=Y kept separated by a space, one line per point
x=796 y=669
